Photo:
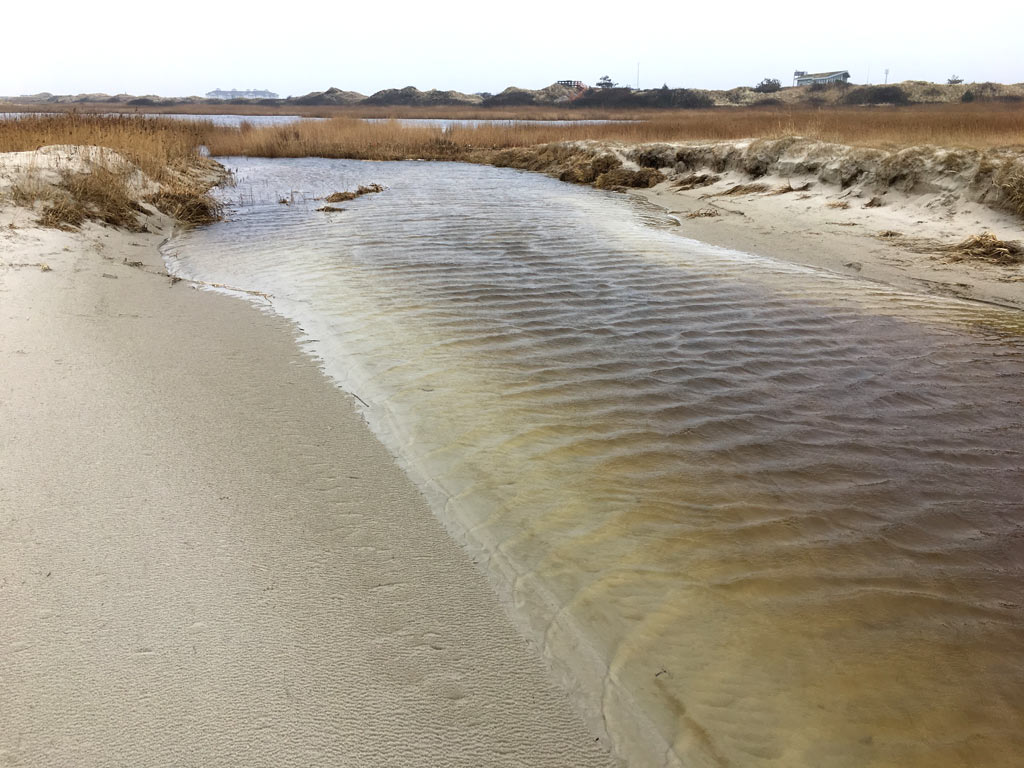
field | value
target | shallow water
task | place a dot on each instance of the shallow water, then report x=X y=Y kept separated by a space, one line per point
x=782 y=507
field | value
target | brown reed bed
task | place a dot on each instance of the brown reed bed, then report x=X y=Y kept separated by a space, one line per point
x=975 y=125
x=966 y=126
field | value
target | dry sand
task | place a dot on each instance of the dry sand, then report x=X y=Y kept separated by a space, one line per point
x=206 y=559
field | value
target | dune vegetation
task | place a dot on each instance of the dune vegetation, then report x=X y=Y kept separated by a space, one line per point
x=104 y=186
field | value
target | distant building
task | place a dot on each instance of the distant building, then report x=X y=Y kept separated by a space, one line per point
x=577 y=84
x=804 y=78
x=219 y=94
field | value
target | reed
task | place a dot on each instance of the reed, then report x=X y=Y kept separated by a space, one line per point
x=960 y=125
x=157 y=147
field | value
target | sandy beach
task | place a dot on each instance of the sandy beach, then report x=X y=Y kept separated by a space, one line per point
x=207 y=559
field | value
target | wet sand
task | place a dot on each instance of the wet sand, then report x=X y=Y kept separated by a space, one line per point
x=207 y=559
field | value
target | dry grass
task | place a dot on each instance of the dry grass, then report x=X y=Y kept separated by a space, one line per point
x=983 y=247
x=704 y=213
x=1011 y=181
x=624 y=178
x=744 y=189
x=157 y=147
x=786 y=188
x=167 y=151
x=102 y=193
x=341 y=197
x=842 y=205
x=694 y=180
x=978 y=126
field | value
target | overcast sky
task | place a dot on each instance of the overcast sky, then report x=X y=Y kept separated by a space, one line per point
x=191 y=47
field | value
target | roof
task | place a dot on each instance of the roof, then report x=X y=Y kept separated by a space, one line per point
x=827 y=74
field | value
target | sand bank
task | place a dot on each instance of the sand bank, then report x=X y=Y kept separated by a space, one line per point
x=207 y=559
x=860 y=223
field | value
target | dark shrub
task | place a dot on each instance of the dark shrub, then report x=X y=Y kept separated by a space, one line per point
x=877 y=94
x=768 y=85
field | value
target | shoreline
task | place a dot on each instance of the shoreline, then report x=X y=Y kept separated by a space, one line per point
x=846 y=242
x=895 y=234
x=209 y=559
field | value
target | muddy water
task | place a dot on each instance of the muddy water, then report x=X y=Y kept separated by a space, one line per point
x=754 y=514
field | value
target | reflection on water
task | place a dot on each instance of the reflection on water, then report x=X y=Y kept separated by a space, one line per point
x=754 y=514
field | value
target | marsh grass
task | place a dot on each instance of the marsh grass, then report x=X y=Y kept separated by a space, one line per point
x=971 y=126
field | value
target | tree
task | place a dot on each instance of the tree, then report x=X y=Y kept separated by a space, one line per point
x=606 y=82
x=768 y=85
x=955 y=80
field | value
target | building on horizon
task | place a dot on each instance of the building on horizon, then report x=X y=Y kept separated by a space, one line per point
x=804 y=78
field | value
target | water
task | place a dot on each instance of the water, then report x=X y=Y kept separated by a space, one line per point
x=753 y=514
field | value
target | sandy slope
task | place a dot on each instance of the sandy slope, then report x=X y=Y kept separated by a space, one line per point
x=206 y=558
x=804 y=228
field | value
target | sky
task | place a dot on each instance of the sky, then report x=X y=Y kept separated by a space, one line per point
x=190 y=47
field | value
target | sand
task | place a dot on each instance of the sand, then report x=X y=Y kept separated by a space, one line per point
x=207 y=559
x=830 y=228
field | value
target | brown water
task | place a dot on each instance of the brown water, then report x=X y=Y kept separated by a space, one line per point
x=753 y=514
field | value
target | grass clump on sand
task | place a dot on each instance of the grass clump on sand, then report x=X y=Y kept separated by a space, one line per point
x=97 y=192
x=744 y=189
x=187 y=204
x=986 y=247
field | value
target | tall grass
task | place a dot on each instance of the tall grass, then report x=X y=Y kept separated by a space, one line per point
x=968 y=126
x=159 y=148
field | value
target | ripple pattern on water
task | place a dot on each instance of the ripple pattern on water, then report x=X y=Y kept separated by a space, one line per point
x=755 y=514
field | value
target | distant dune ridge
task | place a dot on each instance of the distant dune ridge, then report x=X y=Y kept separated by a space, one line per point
x=908 y=92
